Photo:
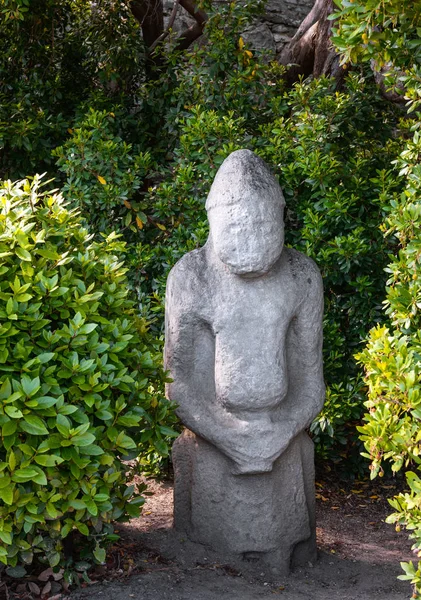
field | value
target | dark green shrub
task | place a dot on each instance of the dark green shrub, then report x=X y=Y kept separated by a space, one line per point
x=103 y=174
x=57 y=56
x=331 y=151
x=77 y=381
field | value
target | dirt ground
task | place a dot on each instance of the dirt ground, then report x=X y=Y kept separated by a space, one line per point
x=359 y=556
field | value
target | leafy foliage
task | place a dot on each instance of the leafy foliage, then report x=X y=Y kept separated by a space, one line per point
x=388 y=34
x=392 y=361
x=55 y=56
x=77 y=381
x=103 y=174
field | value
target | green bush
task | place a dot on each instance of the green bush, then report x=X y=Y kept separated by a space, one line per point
x=330 y=150
x=56 y=58
x=77 y=382
x=103 y=174
x=392 y=431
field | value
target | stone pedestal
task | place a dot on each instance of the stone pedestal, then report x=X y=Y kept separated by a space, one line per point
x=267 y=517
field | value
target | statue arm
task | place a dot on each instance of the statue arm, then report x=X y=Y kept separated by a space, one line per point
x=306 y=389
x=189 y=356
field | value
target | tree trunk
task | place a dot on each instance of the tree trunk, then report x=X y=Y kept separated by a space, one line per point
x=310 y=52
x=150 y=14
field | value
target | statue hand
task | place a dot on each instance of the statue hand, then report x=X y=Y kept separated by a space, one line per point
x=260 y=446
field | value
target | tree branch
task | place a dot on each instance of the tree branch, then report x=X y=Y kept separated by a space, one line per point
x=192 y=33
x=150 y=15
x=198 y=14
x=165 y=33
x=310 y=51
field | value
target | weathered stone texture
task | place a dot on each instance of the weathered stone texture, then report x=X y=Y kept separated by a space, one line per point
x=244 y=349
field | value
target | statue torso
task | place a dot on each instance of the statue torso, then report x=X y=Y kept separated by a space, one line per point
x=248 y=322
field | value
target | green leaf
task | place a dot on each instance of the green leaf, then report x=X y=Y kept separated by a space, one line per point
x=23 y=254
x=91 y=450
x=23 y=297
x=99 y=554
x=85 y=439
x=77 y=504
x=45 y=357
x=23 y=475
x=13 y=412
x=82 y=528
x=165 y=430
x=4 y=481
x=6 y=495
x=42 y=402
x=124 y=441
x=30 y=386
x=33 y=425
x=54 y=559
x=16 y=572
x=40 y=478
x=6 y=537
x=5 y=390
x=63 y=425
x=46 y=460
x=9 y=428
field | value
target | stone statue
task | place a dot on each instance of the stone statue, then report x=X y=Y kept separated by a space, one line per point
x=244 y=350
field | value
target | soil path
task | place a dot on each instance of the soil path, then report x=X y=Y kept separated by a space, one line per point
x=359 y=556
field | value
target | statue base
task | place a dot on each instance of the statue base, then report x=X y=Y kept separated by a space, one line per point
x=267 y=517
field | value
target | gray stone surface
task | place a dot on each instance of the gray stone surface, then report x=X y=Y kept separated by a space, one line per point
x=264 y=33
x=244 y=349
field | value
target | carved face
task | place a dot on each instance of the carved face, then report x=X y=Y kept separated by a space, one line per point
x=245 y=212
x=248 y=239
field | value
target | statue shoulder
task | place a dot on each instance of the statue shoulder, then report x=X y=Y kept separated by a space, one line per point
x=304 y=271
x=189 y=273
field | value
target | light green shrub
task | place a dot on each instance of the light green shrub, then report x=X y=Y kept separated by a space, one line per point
x=76 y=382
x=392 y=360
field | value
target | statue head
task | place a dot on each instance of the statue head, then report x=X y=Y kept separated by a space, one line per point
x=245 y=211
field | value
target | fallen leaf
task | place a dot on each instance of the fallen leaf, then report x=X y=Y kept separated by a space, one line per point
x=59 y=575
x=46 y=589
x=45 y=575
x=34 y=588
x=139 y=223
x=101 y=180
x=127 y=204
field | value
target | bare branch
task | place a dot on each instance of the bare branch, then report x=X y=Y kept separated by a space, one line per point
x=165 y=33
x=195 y=31
x=198 y=15
x=189 y=36
x=150 y=15
x=310 y=51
